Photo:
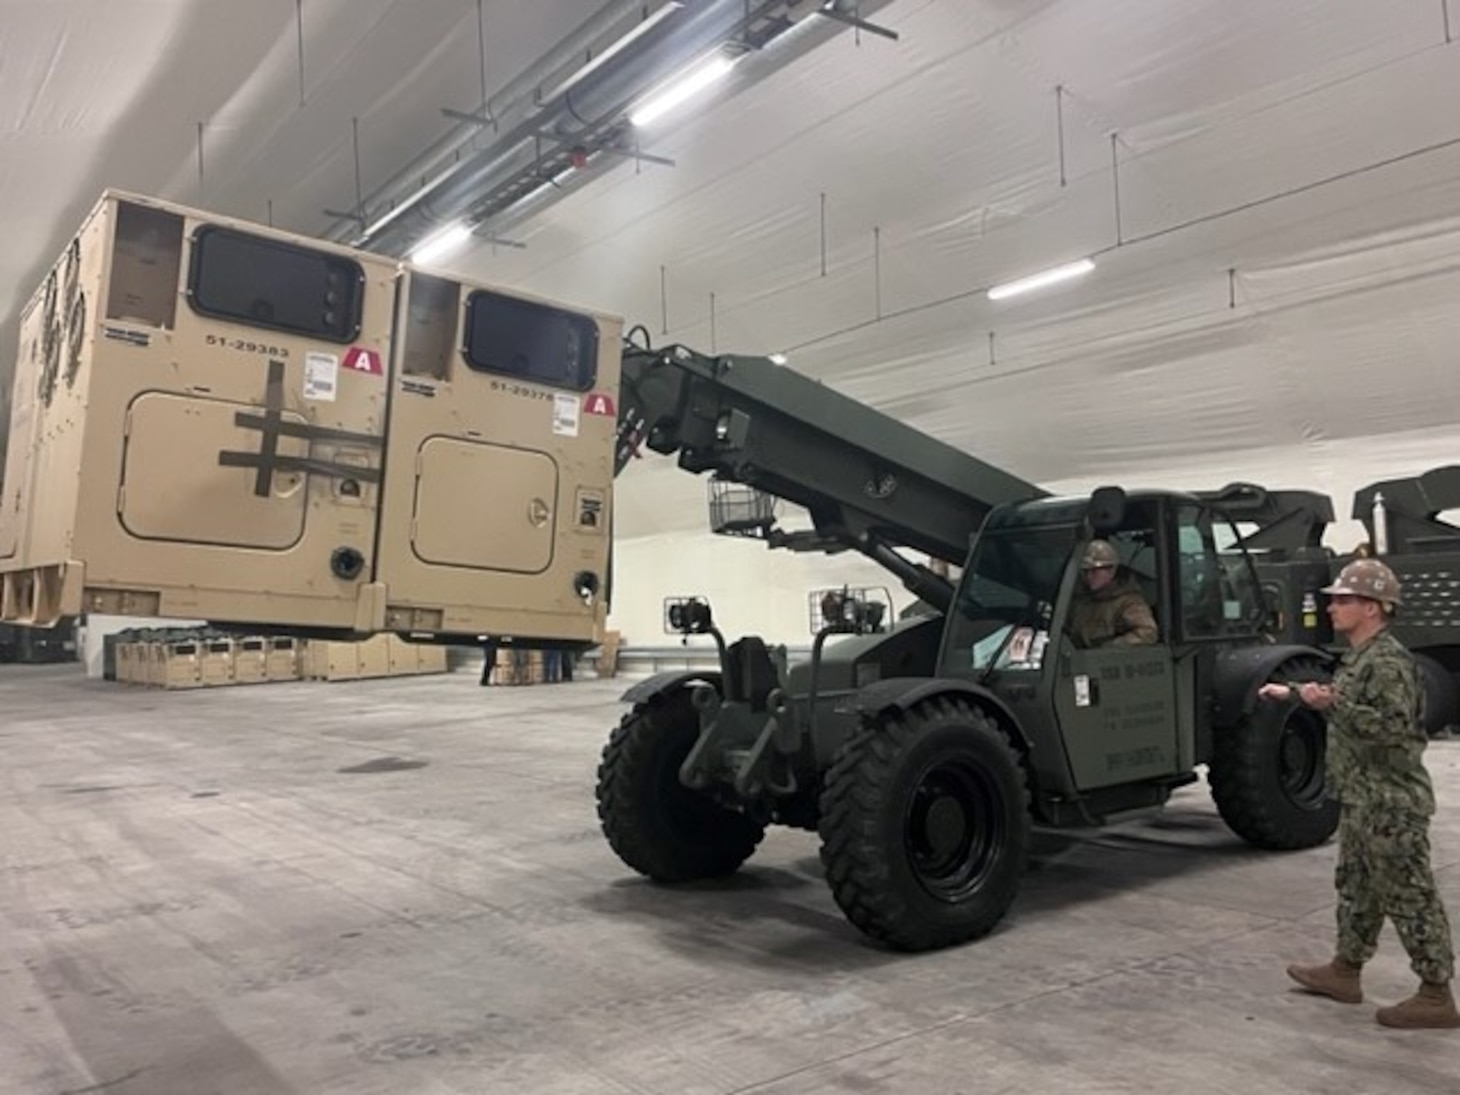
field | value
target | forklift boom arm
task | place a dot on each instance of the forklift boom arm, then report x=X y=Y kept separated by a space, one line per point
x=870 y=483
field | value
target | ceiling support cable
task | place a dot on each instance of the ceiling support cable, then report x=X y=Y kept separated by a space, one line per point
x=299 y=23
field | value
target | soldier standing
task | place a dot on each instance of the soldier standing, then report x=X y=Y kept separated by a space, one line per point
x=489 y=659
x=1376 y=742
x=1109 y=608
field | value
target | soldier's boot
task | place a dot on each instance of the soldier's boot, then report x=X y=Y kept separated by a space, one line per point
x=1431 y=1008
x=1338 y=980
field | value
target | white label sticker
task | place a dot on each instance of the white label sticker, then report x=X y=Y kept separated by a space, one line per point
x=1082 y=691
x=565 y=415
x=321 y=376
x=1019 y=644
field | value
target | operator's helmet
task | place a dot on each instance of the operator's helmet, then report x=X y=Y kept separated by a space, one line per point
x=1366 y=578
x=1099 y=553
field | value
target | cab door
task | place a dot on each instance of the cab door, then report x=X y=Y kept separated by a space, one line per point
x=1118 y=706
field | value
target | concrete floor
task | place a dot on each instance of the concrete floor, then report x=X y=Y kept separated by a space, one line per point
x=399 y=887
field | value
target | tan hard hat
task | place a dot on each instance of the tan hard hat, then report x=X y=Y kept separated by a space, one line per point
x=1367 y=578
x=1099 y=553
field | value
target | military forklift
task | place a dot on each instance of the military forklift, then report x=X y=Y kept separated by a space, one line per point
x=923 y=752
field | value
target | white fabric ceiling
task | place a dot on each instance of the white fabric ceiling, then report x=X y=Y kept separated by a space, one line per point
x=1279 y=285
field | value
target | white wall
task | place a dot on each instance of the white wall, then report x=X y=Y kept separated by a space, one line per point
x=753 y=590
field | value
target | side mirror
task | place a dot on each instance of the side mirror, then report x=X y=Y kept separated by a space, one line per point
x=1107 y=509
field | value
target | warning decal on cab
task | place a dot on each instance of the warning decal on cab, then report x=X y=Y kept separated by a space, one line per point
x=362 y=359
x=599 y=403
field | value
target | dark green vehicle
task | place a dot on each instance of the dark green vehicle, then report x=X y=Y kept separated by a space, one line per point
x=924 y=753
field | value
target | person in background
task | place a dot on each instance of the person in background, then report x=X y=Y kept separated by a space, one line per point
x=1109 y=608
x=489 y=659
x=1376 y=740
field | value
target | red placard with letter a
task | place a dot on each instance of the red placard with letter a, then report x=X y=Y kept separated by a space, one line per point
x=362 y=359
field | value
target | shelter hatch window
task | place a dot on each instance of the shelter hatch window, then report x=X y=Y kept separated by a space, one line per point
x=276 y=285
x=531 y=341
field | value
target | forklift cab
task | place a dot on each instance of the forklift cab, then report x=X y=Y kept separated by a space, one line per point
x=1113 y=714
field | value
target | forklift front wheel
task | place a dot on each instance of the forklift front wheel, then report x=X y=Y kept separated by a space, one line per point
x=925 y=826
x=658 y=826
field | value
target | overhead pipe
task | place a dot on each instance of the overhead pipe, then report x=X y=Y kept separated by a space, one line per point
x=694 y=31
x=599 y=101
x=443 y=158
x=508 y=220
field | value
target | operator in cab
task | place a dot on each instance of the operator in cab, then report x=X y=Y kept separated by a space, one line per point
x=1109 y=608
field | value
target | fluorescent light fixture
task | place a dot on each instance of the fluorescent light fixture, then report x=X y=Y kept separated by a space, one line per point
x=1040 y=280
x=436 y=247
x=612 y=51
x=688 y=83
x=777 y=359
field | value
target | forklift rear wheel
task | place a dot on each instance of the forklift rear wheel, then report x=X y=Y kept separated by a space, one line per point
x=654 y=823
x=925 y=826
x=1442 y=696
x=1267 y=774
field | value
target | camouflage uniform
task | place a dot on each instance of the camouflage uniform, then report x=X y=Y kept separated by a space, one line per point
x=1117 y=615
x=1376 y=742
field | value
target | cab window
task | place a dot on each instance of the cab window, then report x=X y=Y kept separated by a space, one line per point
x=1217 y=593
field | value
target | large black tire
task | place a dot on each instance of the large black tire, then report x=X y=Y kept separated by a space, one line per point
x=1267 y=773
x=1442 y=696
x=658 y=826
x=925 y=826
